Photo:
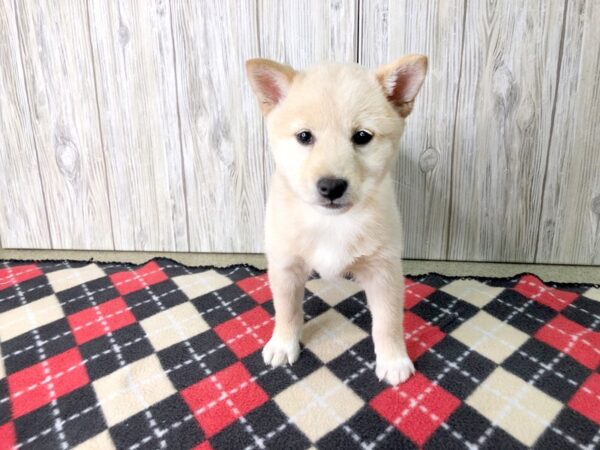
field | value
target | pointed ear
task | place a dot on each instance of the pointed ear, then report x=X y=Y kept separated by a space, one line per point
x=401 y=81
x=270 y=81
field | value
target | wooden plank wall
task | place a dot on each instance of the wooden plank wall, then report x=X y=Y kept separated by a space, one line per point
x=131 y=126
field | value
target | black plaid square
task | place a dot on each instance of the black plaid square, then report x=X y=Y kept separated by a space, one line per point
x=519 y=311
x=313 y=305
x=433 y=280
x=166 y=424
x=355 y=308
x=264 y=427
x=240 y=272
x=174 y=269
x=75 y=418
x=22 y=351
x=364 y=429
x=442 y=308
x=584 y=311
x=568 y=429
x=24 y=292
x=144 y=303
x=5 y=409
x=353 y=366
x=465 y=427
x=220 y=306
x=275 y=380
x=186 y=362
x=501 y=282
x=81 y=297
x=269 y=307
x=107 y=353
x=540 y=365
x=457 y=368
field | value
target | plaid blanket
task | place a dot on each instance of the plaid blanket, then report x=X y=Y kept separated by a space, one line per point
x=167 y=356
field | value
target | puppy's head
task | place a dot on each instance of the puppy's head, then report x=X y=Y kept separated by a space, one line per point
x=334 y=129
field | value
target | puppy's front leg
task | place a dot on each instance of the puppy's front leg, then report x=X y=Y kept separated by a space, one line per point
x=383 y=283
x=287 y=286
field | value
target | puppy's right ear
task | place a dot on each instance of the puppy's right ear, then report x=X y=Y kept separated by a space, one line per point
x=270 y=81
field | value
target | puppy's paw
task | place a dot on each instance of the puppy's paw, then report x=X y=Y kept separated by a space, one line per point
x=394 y=370
x=278 y=352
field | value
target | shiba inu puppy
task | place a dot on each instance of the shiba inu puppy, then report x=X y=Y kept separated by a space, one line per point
x=334 y=131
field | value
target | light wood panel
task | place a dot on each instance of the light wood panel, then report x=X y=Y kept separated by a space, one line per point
x=570 y=219
x=305 y=32
x=134 y=61
x=388 y=30
x=503 y=122
x=23 y=220
x=131 y=125
x=220 y=124
x=60 y=86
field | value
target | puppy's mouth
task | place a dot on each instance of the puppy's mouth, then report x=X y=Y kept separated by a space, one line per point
x=336 y=207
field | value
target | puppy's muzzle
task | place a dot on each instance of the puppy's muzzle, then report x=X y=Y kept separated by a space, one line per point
x=332 y=188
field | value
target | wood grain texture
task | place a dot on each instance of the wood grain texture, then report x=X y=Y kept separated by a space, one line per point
x=503 y=122
x=388 y=30
x=134 y=60
x=23 y=221
x=301 y=33
x=60 y=85
x=570 y=219
x=220 y=124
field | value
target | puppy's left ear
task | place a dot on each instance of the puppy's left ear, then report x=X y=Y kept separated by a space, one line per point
x=270 y=81
x=401 y=81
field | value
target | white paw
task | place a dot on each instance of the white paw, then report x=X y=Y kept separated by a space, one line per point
x=394 y=370
x=278 y=351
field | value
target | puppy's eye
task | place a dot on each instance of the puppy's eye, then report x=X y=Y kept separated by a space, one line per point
x=305 y=137
x=362 y=137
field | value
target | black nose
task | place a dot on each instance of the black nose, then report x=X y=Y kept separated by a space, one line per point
x=332 y=188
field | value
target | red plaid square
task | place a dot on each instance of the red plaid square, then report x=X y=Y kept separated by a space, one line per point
x=246 y=333
x=14 y=275
x=532 y=287
x=417 y=407
x=587 y=399
x=419 y=335
x=222 y=398
x=45 y=381
x=573 y=339
x=8 y=437
x=134 y=280
x=257 y=288
x=100 y=320
x=415 y=292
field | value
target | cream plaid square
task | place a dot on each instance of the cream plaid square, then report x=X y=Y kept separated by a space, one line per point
x=331 y=334
x=61 y=280
x=500 y=399
x=333 y=291
x=472 y=291
x=30 y=316
x=593 y=293
x=132 y=389
x=197 y=284
x=319 y=403
x=174 y=325
x=492 y=338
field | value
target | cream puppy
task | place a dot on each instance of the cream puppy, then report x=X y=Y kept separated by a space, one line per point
x=334 y=131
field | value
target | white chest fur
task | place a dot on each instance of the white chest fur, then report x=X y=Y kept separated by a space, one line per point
x=333 y=243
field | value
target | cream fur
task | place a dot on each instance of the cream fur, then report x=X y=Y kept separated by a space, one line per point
x=364 y=236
